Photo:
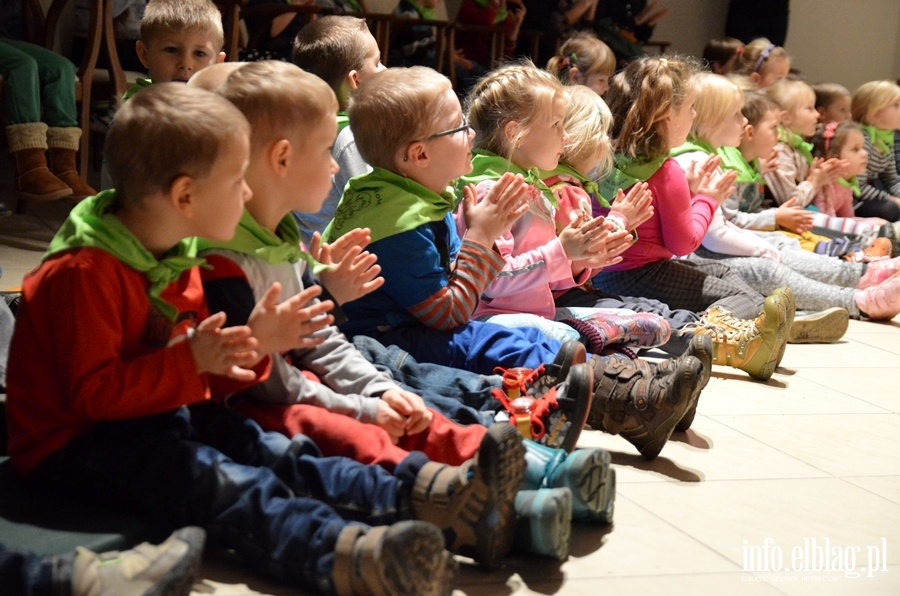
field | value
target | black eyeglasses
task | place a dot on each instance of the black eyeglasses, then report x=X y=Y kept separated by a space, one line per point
x=465 y=126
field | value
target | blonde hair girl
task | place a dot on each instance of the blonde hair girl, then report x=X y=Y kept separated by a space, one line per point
x=876 y=106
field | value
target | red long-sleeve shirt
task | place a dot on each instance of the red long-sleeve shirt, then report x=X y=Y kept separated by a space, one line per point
x=88 y=348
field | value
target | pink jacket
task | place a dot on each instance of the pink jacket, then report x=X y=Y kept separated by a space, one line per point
x=679 y=220
x=536 y=264
x=834 y=200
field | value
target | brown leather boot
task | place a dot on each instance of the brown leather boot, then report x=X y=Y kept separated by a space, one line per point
x=34 y=181
x=64 y=144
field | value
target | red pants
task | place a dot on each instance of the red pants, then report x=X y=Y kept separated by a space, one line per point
x=443 y=441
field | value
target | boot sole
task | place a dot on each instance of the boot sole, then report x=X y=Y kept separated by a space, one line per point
x=501 y=466
x=411 y=560
x=544 y=526
x=594 y=487
x=825 y=327
x=179 y=579
x=701 y=349
x=775 y=335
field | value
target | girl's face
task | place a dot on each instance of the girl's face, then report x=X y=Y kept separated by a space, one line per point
x=759 y=141
x=836 y=111
x=854 y=151
x=598 y=82
x=772 y=71
x=888 y=117
x=803 y=117
x=728 y=134
x=542 y=145
x=679 y=121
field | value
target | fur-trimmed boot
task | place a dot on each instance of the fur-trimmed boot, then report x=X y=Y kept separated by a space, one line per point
x=34 y=181
x=64 y=144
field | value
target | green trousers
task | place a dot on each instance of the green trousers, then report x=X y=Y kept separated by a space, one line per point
x=35 y=77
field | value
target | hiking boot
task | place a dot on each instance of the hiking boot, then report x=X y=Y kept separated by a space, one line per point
x=167 y=568
x=549 y=404
x=756 y=346
x=823 y=327
x=635 y=400
x=407 y=557
x=544 y=522
x=588 y=473
x=877 y=272
x=880 y=302
x=473 y=503
x=700 y=348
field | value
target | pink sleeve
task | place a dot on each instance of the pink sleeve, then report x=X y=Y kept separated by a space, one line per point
x=684 y=218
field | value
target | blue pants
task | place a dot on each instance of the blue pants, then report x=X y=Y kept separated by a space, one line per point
x=462 y=396
x=273 y=500
x=23 y=572
x=477 y=346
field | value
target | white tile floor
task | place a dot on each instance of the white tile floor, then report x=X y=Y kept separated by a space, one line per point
x=809 y=460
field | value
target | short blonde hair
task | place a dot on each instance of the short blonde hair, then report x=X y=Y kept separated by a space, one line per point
x=166 y=131
x=788 y=94
x=716 y=99
x=515 y=92
x=588 y=120
x=872 y=97
x=330 y=47
x=279 y=100
x=393 y=108
x=214 y=76
x=640 y=99
x=168 y=16
x=756 y=55
x=584 y=51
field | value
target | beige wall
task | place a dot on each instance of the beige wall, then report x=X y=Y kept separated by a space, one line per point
x=846 y=41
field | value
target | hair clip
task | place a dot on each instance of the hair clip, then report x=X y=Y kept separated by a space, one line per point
x=664 y=61
x=828 y=134
x=763 y=56
x=739 y=51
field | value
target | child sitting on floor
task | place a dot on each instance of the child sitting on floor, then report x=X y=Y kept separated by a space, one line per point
x=876 y=107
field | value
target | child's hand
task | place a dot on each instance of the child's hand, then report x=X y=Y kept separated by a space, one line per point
x=597 y=244
x=224 y=351
x=636 y=206
x=824 y=172
x=770 y=164
x=717 y=185
x=286 y=326
x=793 y=217
x=411 y=406
x=700 y=170
x=390 y=420
x=503 y=205
x=353 y=272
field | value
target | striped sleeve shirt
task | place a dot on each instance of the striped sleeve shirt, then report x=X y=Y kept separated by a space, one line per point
x=881 y=180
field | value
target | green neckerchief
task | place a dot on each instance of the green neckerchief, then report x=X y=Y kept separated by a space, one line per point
x=91 y=225
x=692 y=144
x=139 y=84
x=502 y=13
x=425 y=12
x=353 y=4
x=733 y=159
x=883 y=140
x=342 y=121
x=387 y=204
x=250 y=238
x=797 y=142
x=490 y=166
x=628 y=172
x=589 y=186
x=851 y=184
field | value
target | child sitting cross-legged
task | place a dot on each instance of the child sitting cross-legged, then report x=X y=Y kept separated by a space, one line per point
x=120 y=404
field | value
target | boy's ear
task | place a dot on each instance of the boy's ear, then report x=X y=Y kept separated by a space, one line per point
x=220 y=58
x=353 y=79
x=141 y=49
x=179 y=195
x=279 y=157
x=416 y=155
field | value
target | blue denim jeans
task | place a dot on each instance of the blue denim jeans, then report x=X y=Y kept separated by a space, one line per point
x=23 y=572
x=476 y=346
x=273 y=500
x=462 y=396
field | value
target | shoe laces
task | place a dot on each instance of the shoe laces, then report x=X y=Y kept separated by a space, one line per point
x=722 y=326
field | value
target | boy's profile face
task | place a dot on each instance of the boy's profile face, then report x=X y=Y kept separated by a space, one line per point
x=803 y=117
x=218 y=198
x=372 y=63
x=450 y=154
x=313 y=166
x=837 y=111
x=177 y=55
x=764 y=136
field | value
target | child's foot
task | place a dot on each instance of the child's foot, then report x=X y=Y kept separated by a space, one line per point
x=407 y=557
x=473 y=503
x=588 y=473
x=608 y=330
x=167 y=568
x=823 y=327
x=880 y=302
x=877 y=272
x=639 y=402
x=544 y=521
